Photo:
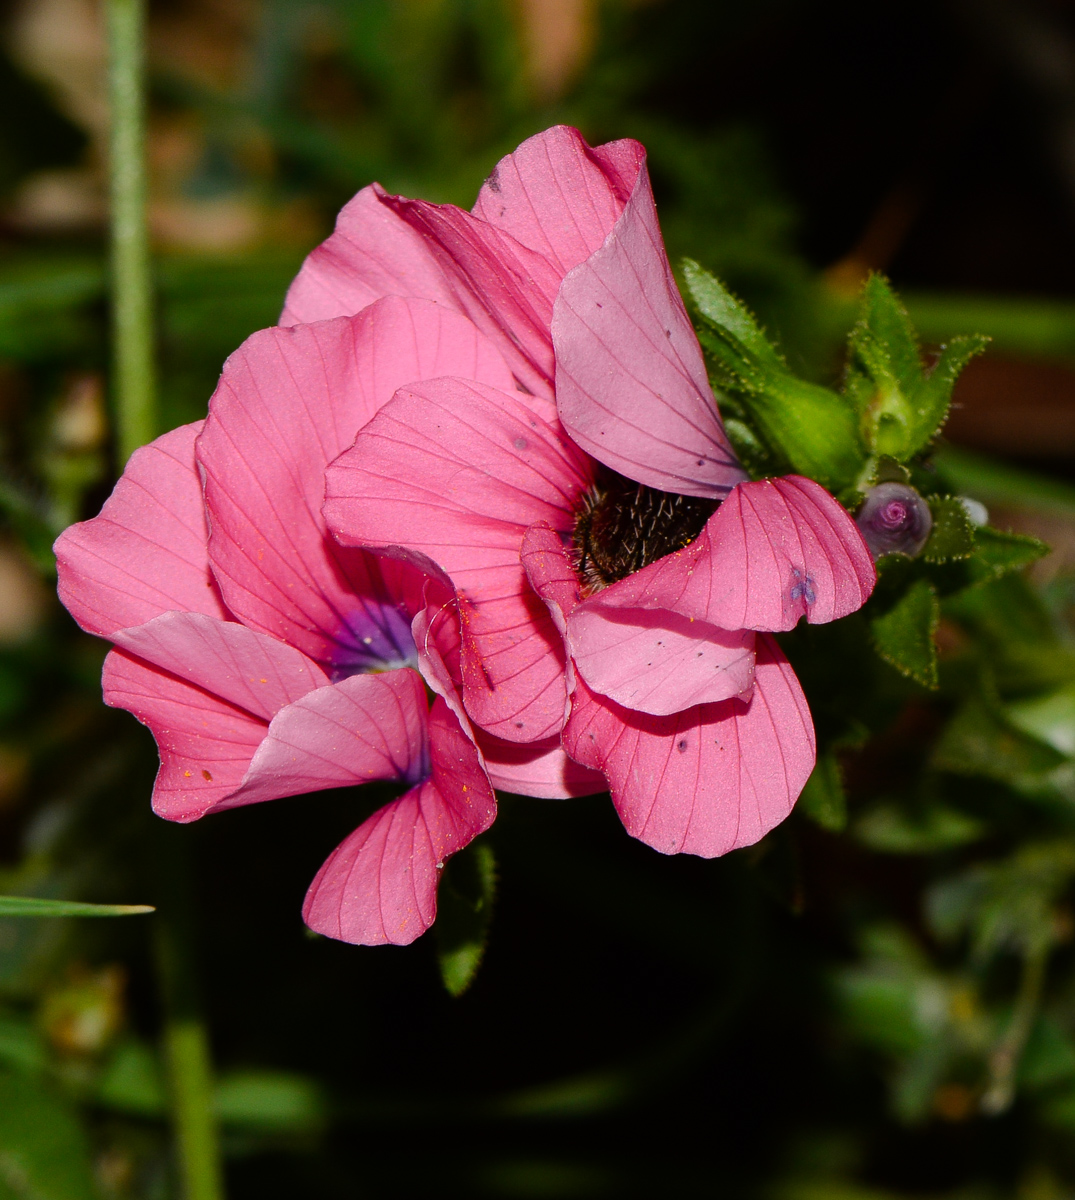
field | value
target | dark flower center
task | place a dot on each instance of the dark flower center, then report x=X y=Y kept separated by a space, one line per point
x=623 y=526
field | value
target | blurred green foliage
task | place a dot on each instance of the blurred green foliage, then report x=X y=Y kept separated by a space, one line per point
x=876 y=1002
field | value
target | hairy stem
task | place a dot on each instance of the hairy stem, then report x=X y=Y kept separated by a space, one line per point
x=134 y=384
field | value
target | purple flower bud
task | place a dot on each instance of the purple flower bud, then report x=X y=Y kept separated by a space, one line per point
x=894 y=520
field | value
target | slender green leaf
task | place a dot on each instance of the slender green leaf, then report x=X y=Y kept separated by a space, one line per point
x=32 y=906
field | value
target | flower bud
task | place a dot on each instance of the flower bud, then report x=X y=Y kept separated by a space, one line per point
x=894 y=519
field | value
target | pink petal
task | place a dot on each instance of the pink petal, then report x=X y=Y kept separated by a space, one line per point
x=657 y=661
x=244 y=668
x=380 y=884
x=289 y=401
x=205 y=743
x=506 y=289
x=707 y=780
x=220 y=751
x=458 y=471
x=146 y=552
x=775 y=550
x=631 y=384
x=537 y=769
x=371 y=254
x=556 y=195
x=363 y=728
x=550 y=573
x=389 y=246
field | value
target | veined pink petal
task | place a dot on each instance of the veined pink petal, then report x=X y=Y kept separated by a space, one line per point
x=709 y=779
x=558 y=196
x=371 y=253
x=380 y=885
x=145 y=553
x=389 y=246
x=657 y=661
x=225 y=745
x=548 y=569
x=459 y=471
x=506 y=289
x=537 y=769
x=247 y=669
x=205 y=743
x=631 y=384
x=289 y=401
x=363 y=728
x=776 y=550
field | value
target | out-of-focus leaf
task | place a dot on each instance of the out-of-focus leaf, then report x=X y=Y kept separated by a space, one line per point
x=1049 y=718
x=952 y=537
x=903 y=636
x=996 y=553
x=978 y=741
x=823 y=799
x=132 y=1081
x=270 y=1101
x=43 y=1152
x=43 y=307
x=21 y=1045
x=1008 y=905
x=1049 y=1056
x=890 y=829
x=464 y=910
x=32 y=906
x=994 y=482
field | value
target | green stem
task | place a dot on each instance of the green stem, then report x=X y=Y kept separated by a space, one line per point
x=132 y=306
x=186 y=1040
x=1004 y=1060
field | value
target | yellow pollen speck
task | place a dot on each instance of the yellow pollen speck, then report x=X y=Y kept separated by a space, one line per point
x=264 y=681
x=186 y=774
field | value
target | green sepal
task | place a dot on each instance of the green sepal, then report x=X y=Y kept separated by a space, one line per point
x=901 y=408
x=903 y=636
x=464 y=910
x=810 y=427
x=952 y=538
x=823 y=799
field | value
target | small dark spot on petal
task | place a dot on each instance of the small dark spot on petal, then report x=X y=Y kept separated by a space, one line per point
x=520 y=443
x=668 y=333
x=518 y=725
x=681 y=746
x=207 y=777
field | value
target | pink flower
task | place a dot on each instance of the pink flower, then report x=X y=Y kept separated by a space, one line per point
x=632 y=622
x=268 y=660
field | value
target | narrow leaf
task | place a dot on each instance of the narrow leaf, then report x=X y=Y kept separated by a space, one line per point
x=903 y=636
x=32 y=906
